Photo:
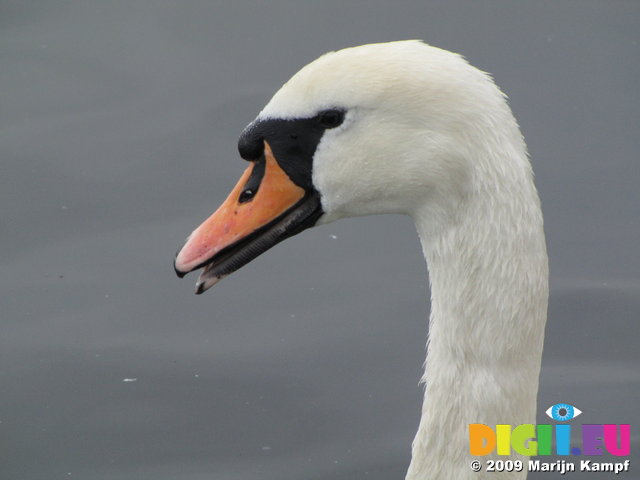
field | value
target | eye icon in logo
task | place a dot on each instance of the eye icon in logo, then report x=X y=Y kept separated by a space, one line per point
x=563 y=412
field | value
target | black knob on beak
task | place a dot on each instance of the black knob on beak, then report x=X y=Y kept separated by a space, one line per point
x=251 y=143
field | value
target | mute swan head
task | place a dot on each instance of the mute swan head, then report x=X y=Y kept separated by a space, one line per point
x=398 y=127
x=407 y=128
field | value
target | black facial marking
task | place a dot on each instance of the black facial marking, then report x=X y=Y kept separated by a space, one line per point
x=253 y=184
x=293 y=142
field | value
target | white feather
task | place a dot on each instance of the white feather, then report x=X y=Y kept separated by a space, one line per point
x=430 y=136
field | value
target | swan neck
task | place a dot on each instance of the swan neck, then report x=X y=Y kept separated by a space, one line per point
x=488 y=275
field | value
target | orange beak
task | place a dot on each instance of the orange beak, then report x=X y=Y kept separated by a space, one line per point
x=264 y=208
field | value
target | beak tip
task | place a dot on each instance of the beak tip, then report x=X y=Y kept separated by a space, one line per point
x=179 y=273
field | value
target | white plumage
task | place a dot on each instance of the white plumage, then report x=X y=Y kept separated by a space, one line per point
x=430 y=136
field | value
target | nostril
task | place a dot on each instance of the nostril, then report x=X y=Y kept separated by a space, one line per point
x=246 y=195
x=250 y=189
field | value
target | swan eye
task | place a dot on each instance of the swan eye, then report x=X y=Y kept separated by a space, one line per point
x=331 y=118
x=563 y=412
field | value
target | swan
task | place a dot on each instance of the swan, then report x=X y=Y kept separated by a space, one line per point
x=408 y=128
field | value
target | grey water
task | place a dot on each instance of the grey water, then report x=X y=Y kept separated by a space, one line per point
x=118 y=129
